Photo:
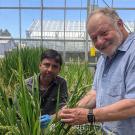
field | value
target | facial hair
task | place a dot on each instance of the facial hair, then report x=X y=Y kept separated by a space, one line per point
x=114 y=42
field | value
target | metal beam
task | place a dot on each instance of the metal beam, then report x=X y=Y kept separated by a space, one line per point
x=47 y=8
x=39 y=39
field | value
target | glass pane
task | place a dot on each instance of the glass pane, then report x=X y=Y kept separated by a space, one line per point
x=76 y=3
x=54 y=14
x=105 y=3
x=31 y=3
x=127 y=15
x=4 y=3
x=75 y=24
x=32 y=43
x=10 y=21
x=53 y=23
x=28 y=18
x=54 y=3
x=116 y=3
x=128 y=18
x=79 y=15
x=124 y=3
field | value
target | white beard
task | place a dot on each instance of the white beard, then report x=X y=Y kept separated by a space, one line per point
x=115 y=44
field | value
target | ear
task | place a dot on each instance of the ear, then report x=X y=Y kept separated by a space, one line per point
x=39 y=66
x=120 y=22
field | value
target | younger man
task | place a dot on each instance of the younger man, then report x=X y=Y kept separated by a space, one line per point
x=49 y=83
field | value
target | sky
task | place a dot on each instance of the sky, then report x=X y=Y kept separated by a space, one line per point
x=9 y=19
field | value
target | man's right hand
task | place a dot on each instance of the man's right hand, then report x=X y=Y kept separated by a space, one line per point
x=74 y=116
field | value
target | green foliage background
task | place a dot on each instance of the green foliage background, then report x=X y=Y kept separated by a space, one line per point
x=22 y=116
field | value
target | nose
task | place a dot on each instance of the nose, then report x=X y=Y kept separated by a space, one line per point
x=50 y=68
x=100 y=41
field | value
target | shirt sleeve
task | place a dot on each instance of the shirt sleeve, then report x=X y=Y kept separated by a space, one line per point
x=130 y=80
x=96 y=76
x=94 y=84
x=63 y=93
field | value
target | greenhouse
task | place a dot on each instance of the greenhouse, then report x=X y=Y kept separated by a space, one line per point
x=83 y=48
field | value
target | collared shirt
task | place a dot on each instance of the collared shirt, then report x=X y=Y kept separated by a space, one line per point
x=115 y=80
x=49 y=96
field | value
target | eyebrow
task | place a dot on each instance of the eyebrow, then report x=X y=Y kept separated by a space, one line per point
x=102 y=28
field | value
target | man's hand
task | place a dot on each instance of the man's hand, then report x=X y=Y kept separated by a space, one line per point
x=44 y=120
x=75 y=116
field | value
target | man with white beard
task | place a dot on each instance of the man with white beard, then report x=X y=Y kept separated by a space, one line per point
x=111 y=100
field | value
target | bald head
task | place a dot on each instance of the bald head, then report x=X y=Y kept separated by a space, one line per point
x=107 y=12
x=106 y=30
x=100 y=14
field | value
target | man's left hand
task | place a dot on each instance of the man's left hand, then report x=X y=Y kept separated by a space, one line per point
x=44 y=120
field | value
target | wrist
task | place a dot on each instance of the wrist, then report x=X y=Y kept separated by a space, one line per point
x=91 y=117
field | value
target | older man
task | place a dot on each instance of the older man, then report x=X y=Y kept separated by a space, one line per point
x=111 y=100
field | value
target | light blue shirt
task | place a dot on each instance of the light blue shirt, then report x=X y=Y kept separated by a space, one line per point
x=115 y=80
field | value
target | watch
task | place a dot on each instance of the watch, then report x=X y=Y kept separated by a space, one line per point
x=91 y=117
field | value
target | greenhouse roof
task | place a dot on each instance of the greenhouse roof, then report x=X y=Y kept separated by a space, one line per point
x=58 y=25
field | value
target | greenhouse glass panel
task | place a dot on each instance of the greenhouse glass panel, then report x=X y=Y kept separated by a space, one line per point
x=54 y=3
x=29 y=17
x=12 y=25
x=11 y=3
x=30 y=3
x=76 y=3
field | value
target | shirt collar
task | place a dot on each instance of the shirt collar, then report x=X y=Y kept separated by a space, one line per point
x=124 y=47
x=55 y=81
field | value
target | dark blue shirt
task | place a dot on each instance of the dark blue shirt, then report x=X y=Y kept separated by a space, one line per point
x=49 y=96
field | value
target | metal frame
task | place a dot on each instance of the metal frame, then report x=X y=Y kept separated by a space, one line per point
x=42 y=8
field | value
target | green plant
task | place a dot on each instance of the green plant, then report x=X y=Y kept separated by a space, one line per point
x=21 y=116
x=30 y=58
x=79 y=90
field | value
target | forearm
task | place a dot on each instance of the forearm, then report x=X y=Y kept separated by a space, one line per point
x=89 y=100
x=117 y=111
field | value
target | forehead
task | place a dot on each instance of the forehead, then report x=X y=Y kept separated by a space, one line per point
x=50 y=60
x=98 y=22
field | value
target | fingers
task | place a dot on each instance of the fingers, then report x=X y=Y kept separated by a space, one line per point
x=74 y=116
x=64 y=107
x=45 y=118
x=62 y=112
x=67 y=110
x=68 y=121
x=67 y=116
x=67 y=113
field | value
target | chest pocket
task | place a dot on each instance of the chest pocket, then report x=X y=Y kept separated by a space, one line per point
x=115 y=87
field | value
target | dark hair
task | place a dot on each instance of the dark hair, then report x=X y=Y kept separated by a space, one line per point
x=52 y=54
